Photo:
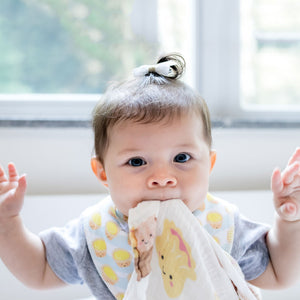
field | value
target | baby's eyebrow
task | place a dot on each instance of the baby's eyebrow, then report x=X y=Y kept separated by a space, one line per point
x=186 y=145
x=128 y=151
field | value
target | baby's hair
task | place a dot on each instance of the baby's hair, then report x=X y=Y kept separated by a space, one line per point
x=168 y=67
x=155 y=94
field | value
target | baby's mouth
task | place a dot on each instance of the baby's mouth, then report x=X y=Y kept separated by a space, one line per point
x=161 y=199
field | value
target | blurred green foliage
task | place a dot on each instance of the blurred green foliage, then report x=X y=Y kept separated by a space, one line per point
x=67 y=46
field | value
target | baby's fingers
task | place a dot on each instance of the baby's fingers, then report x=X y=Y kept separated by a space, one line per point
x=289 y=174
x=3 y=177
x=21 y=189
x=276 y=182
x=12 y=173
x=295 y=157
x=10 y=182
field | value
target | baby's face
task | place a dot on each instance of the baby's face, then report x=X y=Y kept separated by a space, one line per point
x=158 y=162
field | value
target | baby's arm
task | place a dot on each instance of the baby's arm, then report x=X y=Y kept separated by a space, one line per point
x=21 y=251
x=283 y=240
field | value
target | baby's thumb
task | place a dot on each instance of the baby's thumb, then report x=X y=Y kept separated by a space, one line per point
x=21 y=189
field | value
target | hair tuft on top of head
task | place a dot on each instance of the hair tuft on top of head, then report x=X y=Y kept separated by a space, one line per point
x=168 y=67
x=178 y=64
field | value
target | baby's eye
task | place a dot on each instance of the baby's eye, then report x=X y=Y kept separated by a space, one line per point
x=136 y=162
x=182 y=158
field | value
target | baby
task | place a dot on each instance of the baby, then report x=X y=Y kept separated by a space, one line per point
x=152 y=141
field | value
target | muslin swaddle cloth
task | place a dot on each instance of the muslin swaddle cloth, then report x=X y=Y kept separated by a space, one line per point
x=175 y=257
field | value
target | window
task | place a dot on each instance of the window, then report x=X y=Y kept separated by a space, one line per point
x=58 y=56
x=270 y=54
x=249 y=58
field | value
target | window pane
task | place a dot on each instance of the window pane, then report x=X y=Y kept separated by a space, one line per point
x=58 y=46
x=270 y=53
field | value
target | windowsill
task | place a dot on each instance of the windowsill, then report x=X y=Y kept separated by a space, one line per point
x=45 y=123
x=236 y=124
x=257 y=124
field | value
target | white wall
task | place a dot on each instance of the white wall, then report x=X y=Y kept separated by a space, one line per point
x=58 y=160
x=247 y=157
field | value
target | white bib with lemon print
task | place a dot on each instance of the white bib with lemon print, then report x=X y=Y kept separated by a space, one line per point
x=107 y=238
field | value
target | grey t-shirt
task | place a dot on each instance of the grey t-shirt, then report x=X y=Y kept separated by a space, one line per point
x=69 y=257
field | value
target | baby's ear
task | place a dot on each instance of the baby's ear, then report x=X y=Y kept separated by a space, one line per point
x=99 y=171
x=213 y=157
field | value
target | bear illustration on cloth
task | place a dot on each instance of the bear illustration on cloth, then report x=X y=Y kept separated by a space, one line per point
x=175 y=259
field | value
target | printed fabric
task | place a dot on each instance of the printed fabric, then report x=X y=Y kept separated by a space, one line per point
x=186 y=261
x=111 y=250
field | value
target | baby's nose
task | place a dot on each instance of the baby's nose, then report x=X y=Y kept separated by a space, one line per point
x=162 y=181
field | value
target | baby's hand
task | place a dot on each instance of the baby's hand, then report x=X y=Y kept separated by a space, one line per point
x=12 y=192
x=286 y=189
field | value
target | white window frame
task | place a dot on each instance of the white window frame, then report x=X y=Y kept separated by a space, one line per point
x=47 y=107
x=217 y=72
x=218 y=69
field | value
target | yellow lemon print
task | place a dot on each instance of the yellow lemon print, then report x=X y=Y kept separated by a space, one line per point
x=175 y=259
x=111 y=229
x=95 y=221
x=109 y=275
x=230 y=234
x=99 y=247
x=214 y=219
x=122 y=258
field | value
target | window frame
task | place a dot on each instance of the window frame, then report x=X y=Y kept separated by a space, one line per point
x=63 y=109
x=216 y=53
x=218 y=62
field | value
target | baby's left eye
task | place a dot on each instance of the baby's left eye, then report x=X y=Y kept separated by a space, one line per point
x=182 y=158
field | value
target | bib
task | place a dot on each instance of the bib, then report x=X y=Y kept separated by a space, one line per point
x=107 y=236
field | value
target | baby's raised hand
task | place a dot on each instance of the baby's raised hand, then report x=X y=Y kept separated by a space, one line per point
x=286 y=189
x=12 y=192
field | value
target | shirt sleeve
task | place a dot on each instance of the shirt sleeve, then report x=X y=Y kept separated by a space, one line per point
x=65 y=248
x=249 y=246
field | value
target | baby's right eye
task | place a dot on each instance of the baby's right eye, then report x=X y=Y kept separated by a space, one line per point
x=136 y=162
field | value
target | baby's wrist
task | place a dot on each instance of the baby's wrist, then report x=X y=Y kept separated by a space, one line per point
x=288 y=219
x=8 y=225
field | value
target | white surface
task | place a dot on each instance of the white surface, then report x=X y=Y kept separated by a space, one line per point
x=41 y=212
x=57 y=161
